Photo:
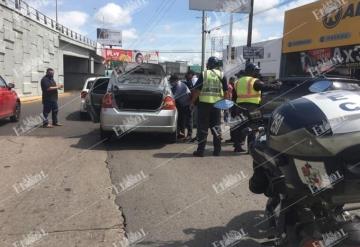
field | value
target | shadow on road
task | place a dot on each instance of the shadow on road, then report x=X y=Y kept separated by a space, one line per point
x=208 y=237
x=4 y=122
x=75 y=116
x=137 y=141
x=131 y=141
x=189 y=152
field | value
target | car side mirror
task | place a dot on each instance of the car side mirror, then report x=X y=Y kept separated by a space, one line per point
x=320 y=86
x=11 y=85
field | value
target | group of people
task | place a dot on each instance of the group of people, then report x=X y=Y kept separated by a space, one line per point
x=203 y=92
x=211 y=87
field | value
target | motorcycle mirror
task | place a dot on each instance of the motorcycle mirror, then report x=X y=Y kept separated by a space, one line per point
x=224 y=104
x=320 y=86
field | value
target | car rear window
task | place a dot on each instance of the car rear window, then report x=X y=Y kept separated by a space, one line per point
x=101 y=85
x=144 y=74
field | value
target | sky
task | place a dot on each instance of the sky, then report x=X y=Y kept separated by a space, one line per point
x=167 y=25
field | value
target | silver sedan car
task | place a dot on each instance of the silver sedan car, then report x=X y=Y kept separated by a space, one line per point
x=136 y=100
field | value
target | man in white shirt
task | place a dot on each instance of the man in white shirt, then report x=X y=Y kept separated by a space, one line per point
x=182 y=96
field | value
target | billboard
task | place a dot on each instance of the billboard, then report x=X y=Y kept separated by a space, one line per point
x=234 y=6
x=131 y=56
x=321 y=25
x=109 y=37
x=118 y=55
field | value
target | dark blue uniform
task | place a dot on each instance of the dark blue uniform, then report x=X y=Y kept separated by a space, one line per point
x=49 y=99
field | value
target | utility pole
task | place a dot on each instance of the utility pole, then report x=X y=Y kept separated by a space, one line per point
x=203 y=40
x=56 y=10
x=251 y=14
x=230 y=39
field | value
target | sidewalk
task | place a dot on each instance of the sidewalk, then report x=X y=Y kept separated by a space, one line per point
x=53 y=194
x=30 y=99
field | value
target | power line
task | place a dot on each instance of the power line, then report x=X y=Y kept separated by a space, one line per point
x=159 y=19
x=153 y=16
x=161 y=13
x=259 y=12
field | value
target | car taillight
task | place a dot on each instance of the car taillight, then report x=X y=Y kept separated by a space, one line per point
x=83 y=94
x=169 y=103
x=107 y=101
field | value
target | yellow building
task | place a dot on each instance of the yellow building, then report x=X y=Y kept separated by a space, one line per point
x=323 y=36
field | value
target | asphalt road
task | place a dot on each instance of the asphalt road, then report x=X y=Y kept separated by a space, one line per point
x=168 y=197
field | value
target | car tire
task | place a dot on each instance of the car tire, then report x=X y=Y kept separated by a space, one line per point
x=105 y=135
x=17 y=113
x=172 y=137
x=83 y=115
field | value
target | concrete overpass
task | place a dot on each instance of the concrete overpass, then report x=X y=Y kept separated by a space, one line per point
x=31 y=42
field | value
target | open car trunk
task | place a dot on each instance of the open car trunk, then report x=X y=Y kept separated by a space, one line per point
x=138 y=100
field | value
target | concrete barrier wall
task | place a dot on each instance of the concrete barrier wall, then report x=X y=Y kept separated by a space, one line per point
x=27 y=49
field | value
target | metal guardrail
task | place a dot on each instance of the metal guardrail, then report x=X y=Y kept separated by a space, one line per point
x=25 y=9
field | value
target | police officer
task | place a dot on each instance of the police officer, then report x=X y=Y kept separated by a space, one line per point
x=248 y=95
x=209 y=88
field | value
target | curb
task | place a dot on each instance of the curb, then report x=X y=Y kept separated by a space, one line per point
x=32 y=99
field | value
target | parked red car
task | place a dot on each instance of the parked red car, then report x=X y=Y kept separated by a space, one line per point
x=10 y=105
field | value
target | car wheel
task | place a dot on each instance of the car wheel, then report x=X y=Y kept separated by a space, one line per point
x=105 y=135
x=172 y=137
x=83 y=115
x=17 y=112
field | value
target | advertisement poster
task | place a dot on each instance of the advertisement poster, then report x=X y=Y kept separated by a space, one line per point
x=322 y=60
x=146 y=57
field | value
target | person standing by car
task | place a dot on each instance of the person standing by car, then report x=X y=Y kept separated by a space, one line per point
x=247 y=92
x=182 y=97
x=189 y=79
x=209 y=88
x=231 y=85
x=49 y=98
x=228 y=113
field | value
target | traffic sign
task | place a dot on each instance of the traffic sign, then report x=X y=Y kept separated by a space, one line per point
x=253 y=52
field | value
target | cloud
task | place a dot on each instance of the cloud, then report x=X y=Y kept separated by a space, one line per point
x=273 y=15
x=130 y=34
x=74 y=20
x=113 y=15
x=39 y=4
x=133 y=6
x=167 y=28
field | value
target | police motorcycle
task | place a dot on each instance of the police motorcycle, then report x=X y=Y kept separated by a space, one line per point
x=307 y=162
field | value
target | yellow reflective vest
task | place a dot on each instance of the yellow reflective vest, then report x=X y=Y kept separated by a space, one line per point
x=245 y=91
x=212 y=89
